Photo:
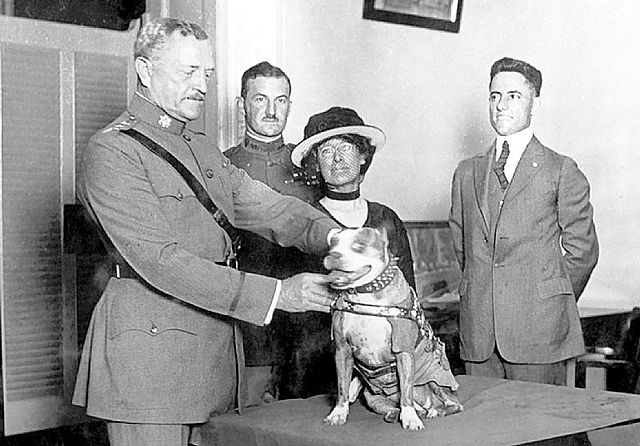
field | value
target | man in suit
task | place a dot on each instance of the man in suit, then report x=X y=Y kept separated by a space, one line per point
x=265 y=101
x=162 y=351
x=523 y=232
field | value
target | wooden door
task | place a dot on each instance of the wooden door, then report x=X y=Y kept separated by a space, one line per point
x=60 y=84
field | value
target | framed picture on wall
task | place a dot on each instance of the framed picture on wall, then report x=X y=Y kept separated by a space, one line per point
x=434 y=261
x=443 y=15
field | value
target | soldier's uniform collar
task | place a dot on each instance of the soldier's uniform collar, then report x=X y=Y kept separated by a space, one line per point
x=144 y=110
x=253 y=145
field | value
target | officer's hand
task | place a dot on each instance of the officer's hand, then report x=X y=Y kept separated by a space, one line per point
x=305 y=292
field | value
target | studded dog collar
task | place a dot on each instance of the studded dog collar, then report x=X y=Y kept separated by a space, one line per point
x=414 y=312
x=381 y=281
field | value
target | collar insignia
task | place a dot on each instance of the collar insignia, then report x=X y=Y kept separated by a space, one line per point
x=164 y=121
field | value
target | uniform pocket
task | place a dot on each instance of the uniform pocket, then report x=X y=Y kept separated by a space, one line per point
x=173 y=190
x=558 y=286
x=135 y=309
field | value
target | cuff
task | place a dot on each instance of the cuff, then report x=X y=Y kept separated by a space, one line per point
x=274 y=302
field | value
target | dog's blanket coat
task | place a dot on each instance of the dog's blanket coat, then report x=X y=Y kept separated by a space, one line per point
x=431 y=363
x=381 y=332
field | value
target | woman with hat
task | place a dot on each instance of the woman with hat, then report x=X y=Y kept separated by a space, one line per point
x=338 y=149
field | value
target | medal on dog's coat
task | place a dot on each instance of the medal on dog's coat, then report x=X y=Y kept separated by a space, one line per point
x=380 y=330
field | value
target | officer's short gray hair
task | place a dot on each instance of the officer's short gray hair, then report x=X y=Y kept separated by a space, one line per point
x=153 y=35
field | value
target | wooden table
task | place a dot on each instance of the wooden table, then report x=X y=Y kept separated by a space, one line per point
x=497 y=412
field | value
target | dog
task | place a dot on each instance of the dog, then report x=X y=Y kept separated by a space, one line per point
x=380 y=330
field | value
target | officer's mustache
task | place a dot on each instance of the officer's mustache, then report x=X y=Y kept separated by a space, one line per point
x=196 y=97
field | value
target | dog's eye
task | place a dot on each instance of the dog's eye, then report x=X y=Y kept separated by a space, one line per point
x=358 y=247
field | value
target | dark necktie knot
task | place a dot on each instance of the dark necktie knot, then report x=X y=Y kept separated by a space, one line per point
x=499 y=166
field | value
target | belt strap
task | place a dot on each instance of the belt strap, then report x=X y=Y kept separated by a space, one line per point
x=121 y=270
x=201 y=193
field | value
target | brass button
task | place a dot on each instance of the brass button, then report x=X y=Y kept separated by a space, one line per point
x=225 y=163
x=179 y=196
x=209 y=173
x=153 y=330
x=269 y=163
x=132 y=118
x=187 y=137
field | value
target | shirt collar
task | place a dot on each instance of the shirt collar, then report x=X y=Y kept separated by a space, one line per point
x=144 y=110
x=518 y=142
x=253 y=145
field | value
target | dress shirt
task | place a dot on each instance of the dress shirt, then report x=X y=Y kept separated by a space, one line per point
x=517 y=143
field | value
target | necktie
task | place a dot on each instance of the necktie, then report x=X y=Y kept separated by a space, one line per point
x=499 y=166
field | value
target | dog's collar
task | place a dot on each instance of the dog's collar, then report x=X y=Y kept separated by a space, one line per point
x=379 y=282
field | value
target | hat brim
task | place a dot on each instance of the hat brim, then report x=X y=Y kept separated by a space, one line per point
x=376 y=135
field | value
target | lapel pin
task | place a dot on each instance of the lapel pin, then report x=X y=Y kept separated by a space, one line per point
x=535 y=164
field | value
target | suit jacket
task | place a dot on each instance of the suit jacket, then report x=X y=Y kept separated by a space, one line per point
x=160 y=348
x=519 y=287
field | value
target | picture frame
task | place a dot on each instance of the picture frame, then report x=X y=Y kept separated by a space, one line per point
x=442 y=15
x=435 y=265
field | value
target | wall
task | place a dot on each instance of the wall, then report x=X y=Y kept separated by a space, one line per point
x=428 y=90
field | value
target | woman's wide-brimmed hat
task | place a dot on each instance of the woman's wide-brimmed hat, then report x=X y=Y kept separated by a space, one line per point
x=334 y=122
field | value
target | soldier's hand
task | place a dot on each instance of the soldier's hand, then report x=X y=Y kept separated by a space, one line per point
x=305 y=292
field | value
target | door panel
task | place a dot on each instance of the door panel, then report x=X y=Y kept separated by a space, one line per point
x=60 y=84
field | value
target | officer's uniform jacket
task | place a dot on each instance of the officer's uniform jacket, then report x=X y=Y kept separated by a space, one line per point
x=526 y=256
x=270 y=163
x=160 y=348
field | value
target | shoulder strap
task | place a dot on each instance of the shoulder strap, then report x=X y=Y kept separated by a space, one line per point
x=201 y=193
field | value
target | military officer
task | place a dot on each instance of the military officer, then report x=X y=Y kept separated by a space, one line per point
x=265 y=101
x=161 y=351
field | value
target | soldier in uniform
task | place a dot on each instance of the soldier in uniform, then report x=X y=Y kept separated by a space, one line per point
x=265 y=103
x=162 y=352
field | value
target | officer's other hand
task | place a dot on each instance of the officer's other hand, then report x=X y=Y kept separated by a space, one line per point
x=305 y=292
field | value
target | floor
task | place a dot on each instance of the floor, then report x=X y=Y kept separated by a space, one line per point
x=92 y=434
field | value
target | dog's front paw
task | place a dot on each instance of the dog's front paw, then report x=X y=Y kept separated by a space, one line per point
x=453 y=408
x=410 y=419
x=431 y=413
x=338 y=416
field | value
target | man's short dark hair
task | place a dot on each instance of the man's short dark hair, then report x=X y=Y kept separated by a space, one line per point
x=264 y=69
x=530 y=73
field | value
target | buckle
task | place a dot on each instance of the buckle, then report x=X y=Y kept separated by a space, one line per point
x=232 y=263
